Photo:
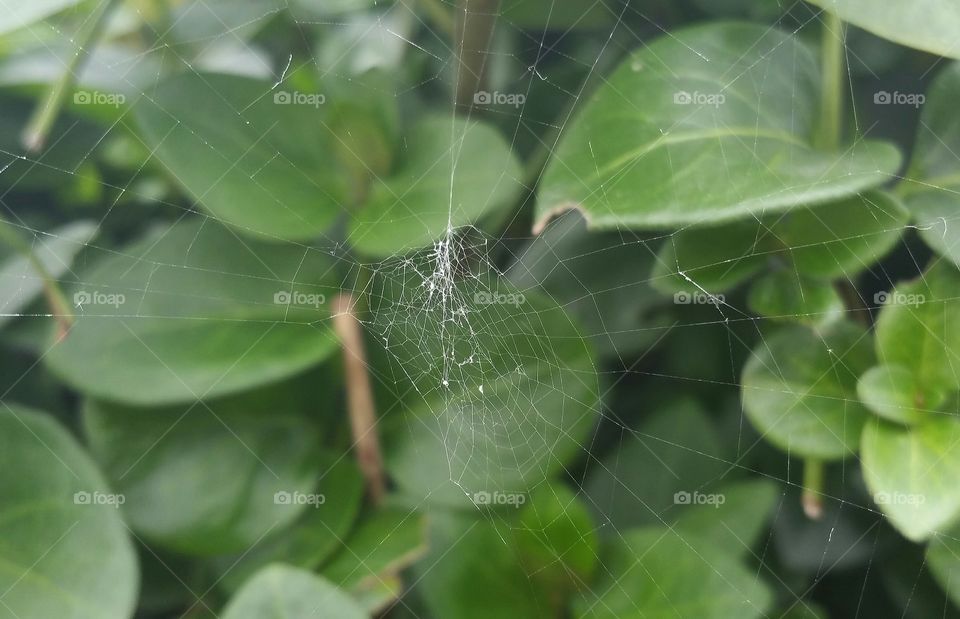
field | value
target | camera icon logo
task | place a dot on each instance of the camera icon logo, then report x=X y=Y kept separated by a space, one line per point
x=681 y=498
x=682 y=298
x=282 y=297
x=882 y=97
x=282 y=98
x=881 y=298
x=482 y=98
x=482 y=498
x=82 y=498
x=82 y=298
x=282 y=497
x=82 y=97
x=682 y=98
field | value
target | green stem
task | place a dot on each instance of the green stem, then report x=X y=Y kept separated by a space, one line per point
x=812 y=498
x=476 y=21
x=56 y=300
x=35 y=135
x=833 y=60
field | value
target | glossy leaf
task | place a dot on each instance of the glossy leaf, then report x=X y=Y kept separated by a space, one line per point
x=279 y=592
x=65 y=551
x=912 y=474
x=707 y=125
x=799 y=389
x=737 y=523
x=194 y=311
x=784 y=296
x=943 y=559
x=894 y=393
x=930 y=25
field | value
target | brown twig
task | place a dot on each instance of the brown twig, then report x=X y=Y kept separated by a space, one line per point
x=360 y=404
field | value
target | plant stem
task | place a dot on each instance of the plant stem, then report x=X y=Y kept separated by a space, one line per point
x=360 y=404
x=811 y=499
x=476 y=21
x=59 y=307
x=38 y=129
x=833 y=61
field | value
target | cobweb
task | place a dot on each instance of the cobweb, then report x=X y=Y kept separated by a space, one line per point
x=452 y=326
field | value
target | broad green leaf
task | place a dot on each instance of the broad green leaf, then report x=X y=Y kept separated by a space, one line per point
x=919 y=328
x=375 y=553
x=15 y=15
x=256 y=158
x=839 y=239
x=785 y=296
x=804 y=609
x=894 y=393
x=557 y=539
x=930 y=25
x=64 y=549
x=707 y=125
x=473 y=572
x=282 y=592
x=20 y=282
x=735 y=523
x=642 y=482
x=799 y=389
x=912 y=473
x=194 y=311
x=314 y=537
x=931 y=188
x=507 y=392
x=563 y=15
x=452 y=172
x=656 y=573
x=594 y=277
x=943 y=559
x=204 y=478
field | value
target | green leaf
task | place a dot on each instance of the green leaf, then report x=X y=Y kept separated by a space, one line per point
x=387 y=542
x=918 y=328
x=931 y=188
x=675 y=451
x=282 y=592
x=799 y=389
x=314 y=537
x=655 y=573
x=912 y=473
x=15 y=15
x=894 y=393
x=556 y=538
x=203 y=478
x=453 y=172
x=943 y=559
x=839 y=239
x=250 y=155
x=594 y=277
x=508 y=392
x=19 y=281
x=192 y=312
x=785 y=296
x=63 y=546
x=736 y=523
x=930 y=25
x=640 y=156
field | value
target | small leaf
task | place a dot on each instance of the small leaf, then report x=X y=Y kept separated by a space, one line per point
x=784 y=296
x=799 y=389
x=737 y=522
x=655 y=573
x=454 y=171
x=930 y=25
x=893 y=392
x=912 y=473
x=64 y=548
x=282 y=592
x=943 y=559
x=931 y=188
x=193 y=312
x=204 y=478
x=707 y=125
